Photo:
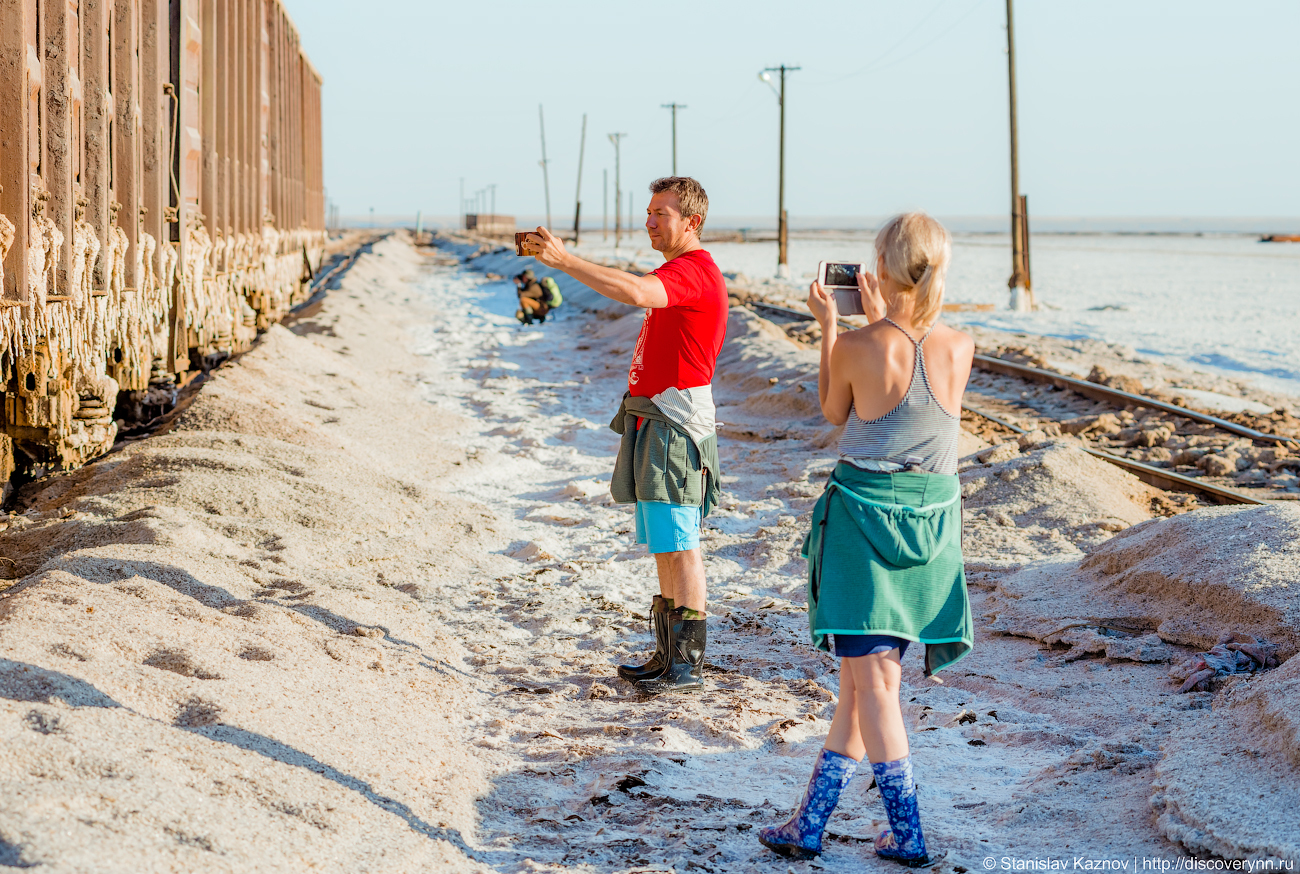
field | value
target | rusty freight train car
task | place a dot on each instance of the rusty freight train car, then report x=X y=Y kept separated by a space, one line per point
x=161 y=200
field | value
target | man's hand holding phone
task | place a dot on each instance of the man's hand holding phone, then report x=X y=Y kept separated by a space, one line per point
x=542 y=245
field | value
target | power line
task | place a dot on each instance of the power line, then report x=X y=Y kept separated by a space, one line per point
x=940 y=35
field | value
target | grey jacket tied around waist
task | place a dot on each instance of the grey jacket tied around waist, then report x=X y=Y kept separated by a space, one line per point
x=673 y=457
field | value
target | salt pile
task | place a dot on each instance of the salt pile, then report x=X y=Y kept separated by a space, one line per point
x=1190 y=579
x=208 y=664
x=1227 y=788
x=1052 y=500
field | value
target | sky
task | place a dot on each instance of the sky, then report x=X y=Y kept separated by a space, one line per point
x=1126 y=107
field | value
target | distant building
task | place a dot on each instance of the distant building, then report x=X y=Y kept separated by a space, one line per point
x=491 y=225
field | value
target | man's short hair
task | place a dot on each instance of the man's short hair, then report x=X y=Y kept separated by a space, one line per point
x=690 y=195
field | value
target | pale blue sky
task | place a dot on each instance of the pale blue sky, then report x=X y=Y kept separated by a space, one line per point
x=1127 y=107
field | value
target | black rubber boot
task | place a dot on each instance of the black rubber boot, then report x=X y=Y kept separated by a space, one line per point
x=658 y=663
x=686 y=640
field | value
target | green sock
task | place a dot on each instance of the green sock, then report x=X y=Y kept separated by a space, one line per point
x=688 y=613
x=669 y=602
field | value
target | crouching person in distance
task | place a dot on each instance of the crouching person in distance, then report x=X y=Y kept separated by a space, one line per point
x=884 y=554
x=668 y=458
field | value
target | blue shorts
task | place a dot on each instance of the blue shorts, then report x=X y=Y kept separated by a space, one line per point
x=847 y=646
x=665 y=527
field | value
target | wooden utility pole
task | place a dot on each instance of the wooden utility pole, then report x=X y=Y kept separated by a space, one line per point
x=782 y=222
x=1022 y=295
x=577 y=198
x=546 y=178
x=617 y=139
x=674 y=107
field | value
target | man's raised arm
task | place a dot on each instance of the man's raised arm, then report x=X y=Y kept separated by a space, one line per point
x=639 y=291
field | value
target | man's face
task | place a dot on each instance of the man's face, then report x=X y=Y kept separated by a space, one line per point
x=667 y=227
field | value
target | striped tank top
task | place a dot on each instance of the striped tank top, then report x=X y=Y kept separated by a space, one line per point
x=916 y=433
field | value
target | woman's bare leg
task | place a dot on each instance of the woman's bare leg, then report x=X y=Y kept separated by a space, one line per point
x=876 y=679
x=845 y=737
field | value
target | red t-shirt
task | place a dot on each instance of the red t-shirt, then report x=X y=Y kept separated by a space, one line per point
x=679 y=344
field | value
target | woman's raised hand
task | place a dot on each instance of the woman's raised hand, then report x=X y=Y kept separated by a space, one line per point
x=822 y=304
x=873 y=301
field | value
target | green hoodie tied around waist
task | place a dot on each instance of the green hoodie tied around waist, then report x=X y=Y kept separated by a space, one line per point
x=884 y=557
x=660 y=461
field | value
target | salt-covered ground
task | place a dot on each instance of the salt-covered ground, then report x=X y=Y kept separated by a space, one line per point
x=1022 y=754
x=361 y=610
x=1219 y=303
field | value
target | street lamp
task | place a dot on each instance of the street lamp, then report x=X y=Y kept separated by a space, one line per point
x=782 y=221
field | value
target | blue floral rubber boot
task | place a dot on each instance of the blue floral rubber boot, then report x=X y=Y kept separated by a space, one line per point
x=903 y=841
x=800 y=837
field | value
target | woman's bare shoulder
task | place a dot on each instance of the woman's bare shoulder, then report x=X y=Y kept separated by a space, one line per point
x=951 y=338
x=873 y=336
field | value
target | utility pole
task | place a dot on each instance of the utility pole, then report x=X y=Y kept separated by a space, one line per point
x=1022 y=295
x=493 y=188
x=782 y=221
x=617 y=139
x=604 y=222
x=674 y=107
x=577 y=198
x=546 y=179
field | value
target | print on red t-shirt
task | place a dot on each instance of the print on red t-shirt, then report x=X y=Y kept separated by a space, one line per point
x=679 y=344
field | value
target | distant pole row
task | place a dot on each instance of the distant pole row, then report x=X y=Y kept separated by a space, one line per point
x=1019 y=283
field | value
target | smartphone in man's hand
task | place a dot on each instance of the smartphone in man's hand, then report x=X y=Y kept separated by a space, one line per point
x=841 y=279
x=520 y=237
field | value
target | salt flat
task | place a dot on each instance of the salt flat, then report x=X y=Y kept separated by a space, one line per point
x=361 y=608
x=1220 y=303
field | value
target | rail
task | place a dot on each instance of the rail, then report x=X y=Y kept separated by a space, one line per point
x=1082 y=386
x=1154 y=476
x=320 y=284
x=1113 y=395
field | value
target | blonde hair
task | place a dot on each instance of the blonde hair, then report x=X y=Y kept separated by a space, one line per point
x=916 y=250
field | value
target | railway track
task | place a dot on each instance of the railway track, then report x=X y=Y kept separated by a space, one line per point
x=320 y=285
x=1167 y=480
x=1164 y=420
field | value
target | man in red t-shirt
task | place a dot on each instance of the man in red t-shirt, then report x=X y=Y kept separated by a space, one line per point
x=669 y=401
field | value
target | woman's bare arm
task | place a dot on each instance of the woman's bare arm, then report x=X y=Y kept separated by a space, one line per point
x=833 y=387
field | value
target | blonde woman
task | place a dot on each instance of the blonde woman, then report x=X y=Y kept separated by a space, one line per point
x=884 y=554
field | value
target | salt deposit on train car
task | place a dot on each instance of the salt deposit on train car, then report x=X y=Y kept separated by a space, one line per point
x=144 y=236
